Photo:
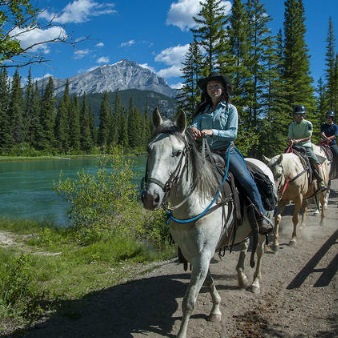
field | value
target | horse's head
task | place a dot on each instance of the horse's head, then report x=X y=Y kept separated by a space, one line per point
x=276 y=166
x=166 y=158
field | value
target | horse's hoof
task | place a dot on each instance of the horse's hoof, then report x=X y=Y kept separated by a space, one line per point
x=275 y=247
x=292 y=243
x=268 y=249
x=243 y=283
x=254 y=289
x=315 y=213
x=215 y=318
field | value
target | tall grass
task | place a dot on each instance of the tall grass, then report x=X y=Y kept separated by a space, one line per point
x=110 y=231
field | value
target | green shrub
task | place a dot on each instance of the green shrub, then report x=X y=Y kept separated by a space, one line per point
x=105 y=204
x=19 y=296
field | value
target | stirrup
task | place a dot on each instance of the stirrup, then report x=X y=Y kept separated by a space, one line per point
x=265 y=225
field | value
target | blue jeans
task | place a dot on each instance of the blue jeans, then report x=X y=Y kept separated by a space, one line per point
x=243 y=177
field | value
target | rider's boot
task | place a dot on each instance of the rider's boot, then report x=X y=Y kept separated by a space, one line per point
x=264 y=224
x=316 y=173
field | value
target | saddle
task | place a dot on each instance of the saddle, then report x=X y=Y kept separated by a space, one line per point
x=301 y=153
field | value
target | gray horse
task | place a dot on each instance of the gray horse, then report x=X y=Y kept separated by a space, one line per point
x=179 y=179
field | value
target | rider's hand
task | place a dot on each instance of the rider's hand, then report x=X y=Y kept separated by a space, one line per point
x=206 y=132
x=196 y=133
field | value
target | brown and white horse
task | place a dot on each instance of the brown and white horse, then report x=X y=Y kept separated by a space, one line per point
x=294 y=184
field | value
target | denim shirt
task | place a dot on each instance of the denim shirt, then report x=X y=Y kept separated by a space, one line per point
x=224 y=124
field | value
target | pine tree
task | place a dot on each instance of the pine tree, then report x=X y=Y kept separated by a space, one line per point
x=263 y=88
x=134 y=130
x=210 y=33
x=321 y=99
x=116 y=122
x=86 y=142
x=16 y=110
x=62 y=126
x=35 y=125
x=45 y=136
x=147 y=124
x=105 y=120
x=236 y=50
x=296 y=60
x=6 y=139
x=123 y=131
x=92 y=127
x=274 y=129
x=28 y=114
x=235 y=62
x=74 y=124
x=330 y=76
x=189 y=94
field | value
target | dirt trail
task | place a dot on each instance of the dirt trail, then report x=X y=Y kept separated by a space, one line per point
x=299 y=296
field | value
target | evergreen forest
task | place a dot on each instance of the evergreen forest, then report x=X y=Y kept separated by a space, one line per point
x=270 y=74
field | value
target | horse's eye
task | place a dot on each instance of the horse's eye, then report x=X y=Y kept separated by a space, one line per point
x=177 y=153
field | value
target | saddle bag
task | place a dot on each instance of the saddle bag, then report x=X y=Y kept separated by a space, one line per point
x=265 y=188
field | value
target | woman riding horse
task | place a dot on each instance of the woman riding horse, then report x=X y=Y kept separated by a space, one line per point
x=217 y=121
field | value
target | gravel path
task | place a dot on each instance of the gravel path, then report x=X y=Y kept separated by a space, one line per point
x=299 y=296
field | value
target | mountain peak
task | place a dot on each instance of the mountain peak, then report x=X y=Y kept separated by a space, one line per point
x=121 y=75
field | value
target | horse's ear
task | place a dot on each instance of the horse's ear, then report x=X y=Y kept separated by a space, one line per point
x=157 y=119
x=266 y=159
x=280 y=159
x=181 y=121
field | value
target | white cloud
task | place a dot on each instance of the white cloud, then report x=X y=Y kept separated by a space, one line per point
x=100 y=44
x=173 y=71
x=173 y=55
x=182 y=12
x=37 y=36
x=103 y=59
x=177 y=85
x=79 y=54
x=79 y=11
x=128 y=43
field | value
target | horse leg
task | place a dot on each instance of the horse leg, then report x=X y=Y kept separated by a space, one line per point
x=304 y=212
x=242 y=278
x=200 y=267
x=326 y=195
x=215 y=314
x=255 y=286
x=298 y=204
x=322 y=198
x=278 y=219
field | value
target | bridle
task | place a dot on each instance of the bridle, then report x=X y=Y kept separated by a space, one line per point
x=174 y=178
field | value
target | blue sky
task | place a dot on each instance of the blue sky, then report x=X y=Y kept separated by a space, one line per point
x=153 y=33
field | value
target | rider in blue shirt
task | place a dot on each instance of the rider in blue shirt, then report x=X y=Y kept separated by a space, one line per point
x=329 y=132
x=217 y=121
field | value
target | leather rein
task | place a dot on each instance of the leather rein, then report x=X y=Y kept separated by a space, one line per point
x=174 y=179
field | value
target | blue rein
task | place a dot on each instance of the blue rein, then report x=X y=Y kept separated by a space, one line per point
x=195 y=218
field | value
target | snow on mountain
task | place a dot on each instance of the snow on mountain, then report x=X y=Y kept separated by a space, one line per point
x=111 y=78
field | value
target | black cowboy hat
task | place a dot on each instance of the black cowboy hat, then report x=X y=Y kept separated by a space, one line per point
x=214 y=76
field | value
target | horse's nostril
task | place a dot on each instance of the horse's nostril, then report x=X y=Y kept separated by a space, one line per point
x=157 y=198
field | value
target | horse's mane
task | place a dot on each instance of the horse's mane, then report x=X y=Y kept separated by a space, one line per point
x=205 y=177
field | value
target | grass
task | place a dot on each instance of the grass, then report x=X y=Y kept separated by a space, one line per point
x=46 y=266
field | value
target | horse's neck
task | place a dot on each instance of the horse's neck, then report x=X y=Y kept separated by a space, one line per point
x=185 y=195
